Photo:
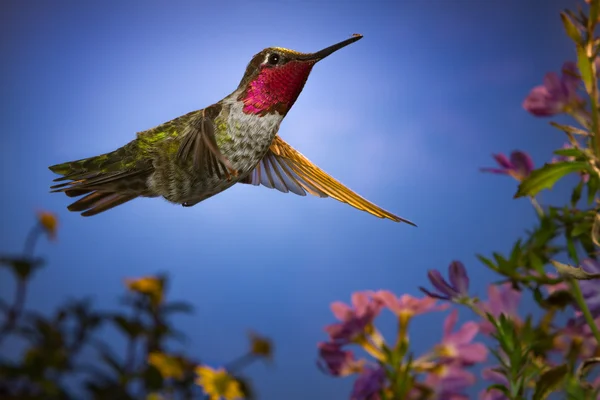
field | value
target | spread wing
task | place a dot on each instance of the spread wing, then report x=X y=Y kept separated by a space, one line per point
x=287 y=170
x=200 y=143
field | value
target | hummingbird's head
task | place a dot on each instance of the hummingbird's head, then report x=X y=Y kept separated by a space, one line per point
x=275 y=77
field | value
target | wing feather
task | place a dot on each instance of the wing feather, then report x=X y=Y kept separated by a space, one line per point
x=287 y=170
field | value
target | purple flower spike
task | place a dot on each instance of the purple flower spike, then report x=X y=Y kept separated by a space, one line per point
x=368 y=384
x=458 y=287
x=457 y=346
x=519 y=166
x=337 y=362
x=355 y=319
x=556 y=95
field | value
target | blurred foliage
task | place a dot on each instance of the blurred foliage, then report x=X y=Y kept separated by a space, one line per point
x=53 y=364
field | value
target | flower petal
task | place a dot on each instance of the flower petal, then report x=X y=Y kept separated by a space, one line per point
x=458 y=277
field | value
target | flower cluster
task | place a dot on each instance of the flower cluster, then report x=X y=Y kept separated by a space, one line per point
x=392 y=371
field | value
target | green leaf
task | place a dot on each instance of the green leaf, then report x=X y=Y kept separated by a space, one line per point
x=585 y=68
x=593 y=185
x=547 y=176
x=576 y=195
x=130 y=328
x=594 y=12
x=573 y=272
x=489 y=263
x=581 y=228
x=500 y=387
x=571 y=29
x=549 y=381
x=585 y=367
x=571 y=250
x=152 y=378
x=568 y=152
x=570 y=129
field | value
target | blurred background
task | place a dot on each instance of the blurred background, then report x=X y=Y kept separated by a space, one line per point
x=406 y=117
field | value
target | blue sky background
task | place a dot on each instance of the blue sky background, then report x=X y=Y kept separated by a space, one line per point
x=406 y=117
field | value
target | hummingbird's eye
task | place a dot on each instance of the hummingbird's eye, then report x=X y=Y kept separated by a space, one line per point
x=273 y=59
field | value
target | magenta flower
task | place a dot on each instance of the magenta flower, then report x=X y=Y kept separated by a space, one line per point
x=556 y=95
x=458 y=287
x=591 y=288
x=584 y=175
x=337 y=362
x=496 y=378
x=355 y=319
x=448 y=382
x=502 y=299
x=457 y=346
x=519 y=166
x=368 y=384
x=407 y=306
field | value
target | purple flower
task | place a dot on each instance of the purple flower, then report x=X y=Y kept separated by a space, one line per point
x=336 y=361
x=457 y=346
x=519 y=166
x=449 y=381
x=576 y=336
x=355 y=319
x=455 y=290
x=584 y=175
x=502 y=299
x=497 y=378
x=591 y=288
x=556 y=95
x=368 y=384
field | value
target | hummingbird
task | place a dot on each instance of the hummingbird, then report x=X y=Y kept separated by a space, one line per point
x=204 y=152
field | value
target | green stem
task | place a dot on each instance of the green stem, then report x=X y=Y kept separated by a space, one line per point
x=584 y=308
x=537 y=207
x=594 y=91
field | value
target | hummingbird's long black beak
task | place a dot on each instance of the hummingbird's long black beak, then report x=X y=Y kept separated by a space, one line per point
x=319 y=55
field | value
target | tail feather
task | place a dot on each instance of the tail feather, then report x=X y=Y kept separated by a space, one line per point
x=107 y=181
x=107 y=203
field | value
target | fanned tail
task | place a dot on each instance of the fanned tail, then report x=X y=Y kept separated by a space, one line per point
x=107 y=181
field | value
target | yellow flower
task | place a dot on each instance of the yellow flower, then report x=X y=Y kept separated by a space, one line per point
x=150 y=286
x=154 y=396
x=168 y=366
x=217 y=383
x=260 y=346
x=48 y=222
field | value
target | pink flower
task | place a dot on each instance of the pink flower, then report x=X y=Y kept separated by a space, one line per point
x=355 y=319
x=457 y=346
x=577 y=336
x=449 y=381
x=502 y=299
x=368 y=384
x=519 y=166
x=407 y=306
x=497 y=378
x=556 y=95
x=336 y=361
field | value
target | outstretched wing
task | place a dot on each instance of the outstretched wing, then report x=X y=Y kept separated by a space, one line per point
x=287 y=170
x=199 y=143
